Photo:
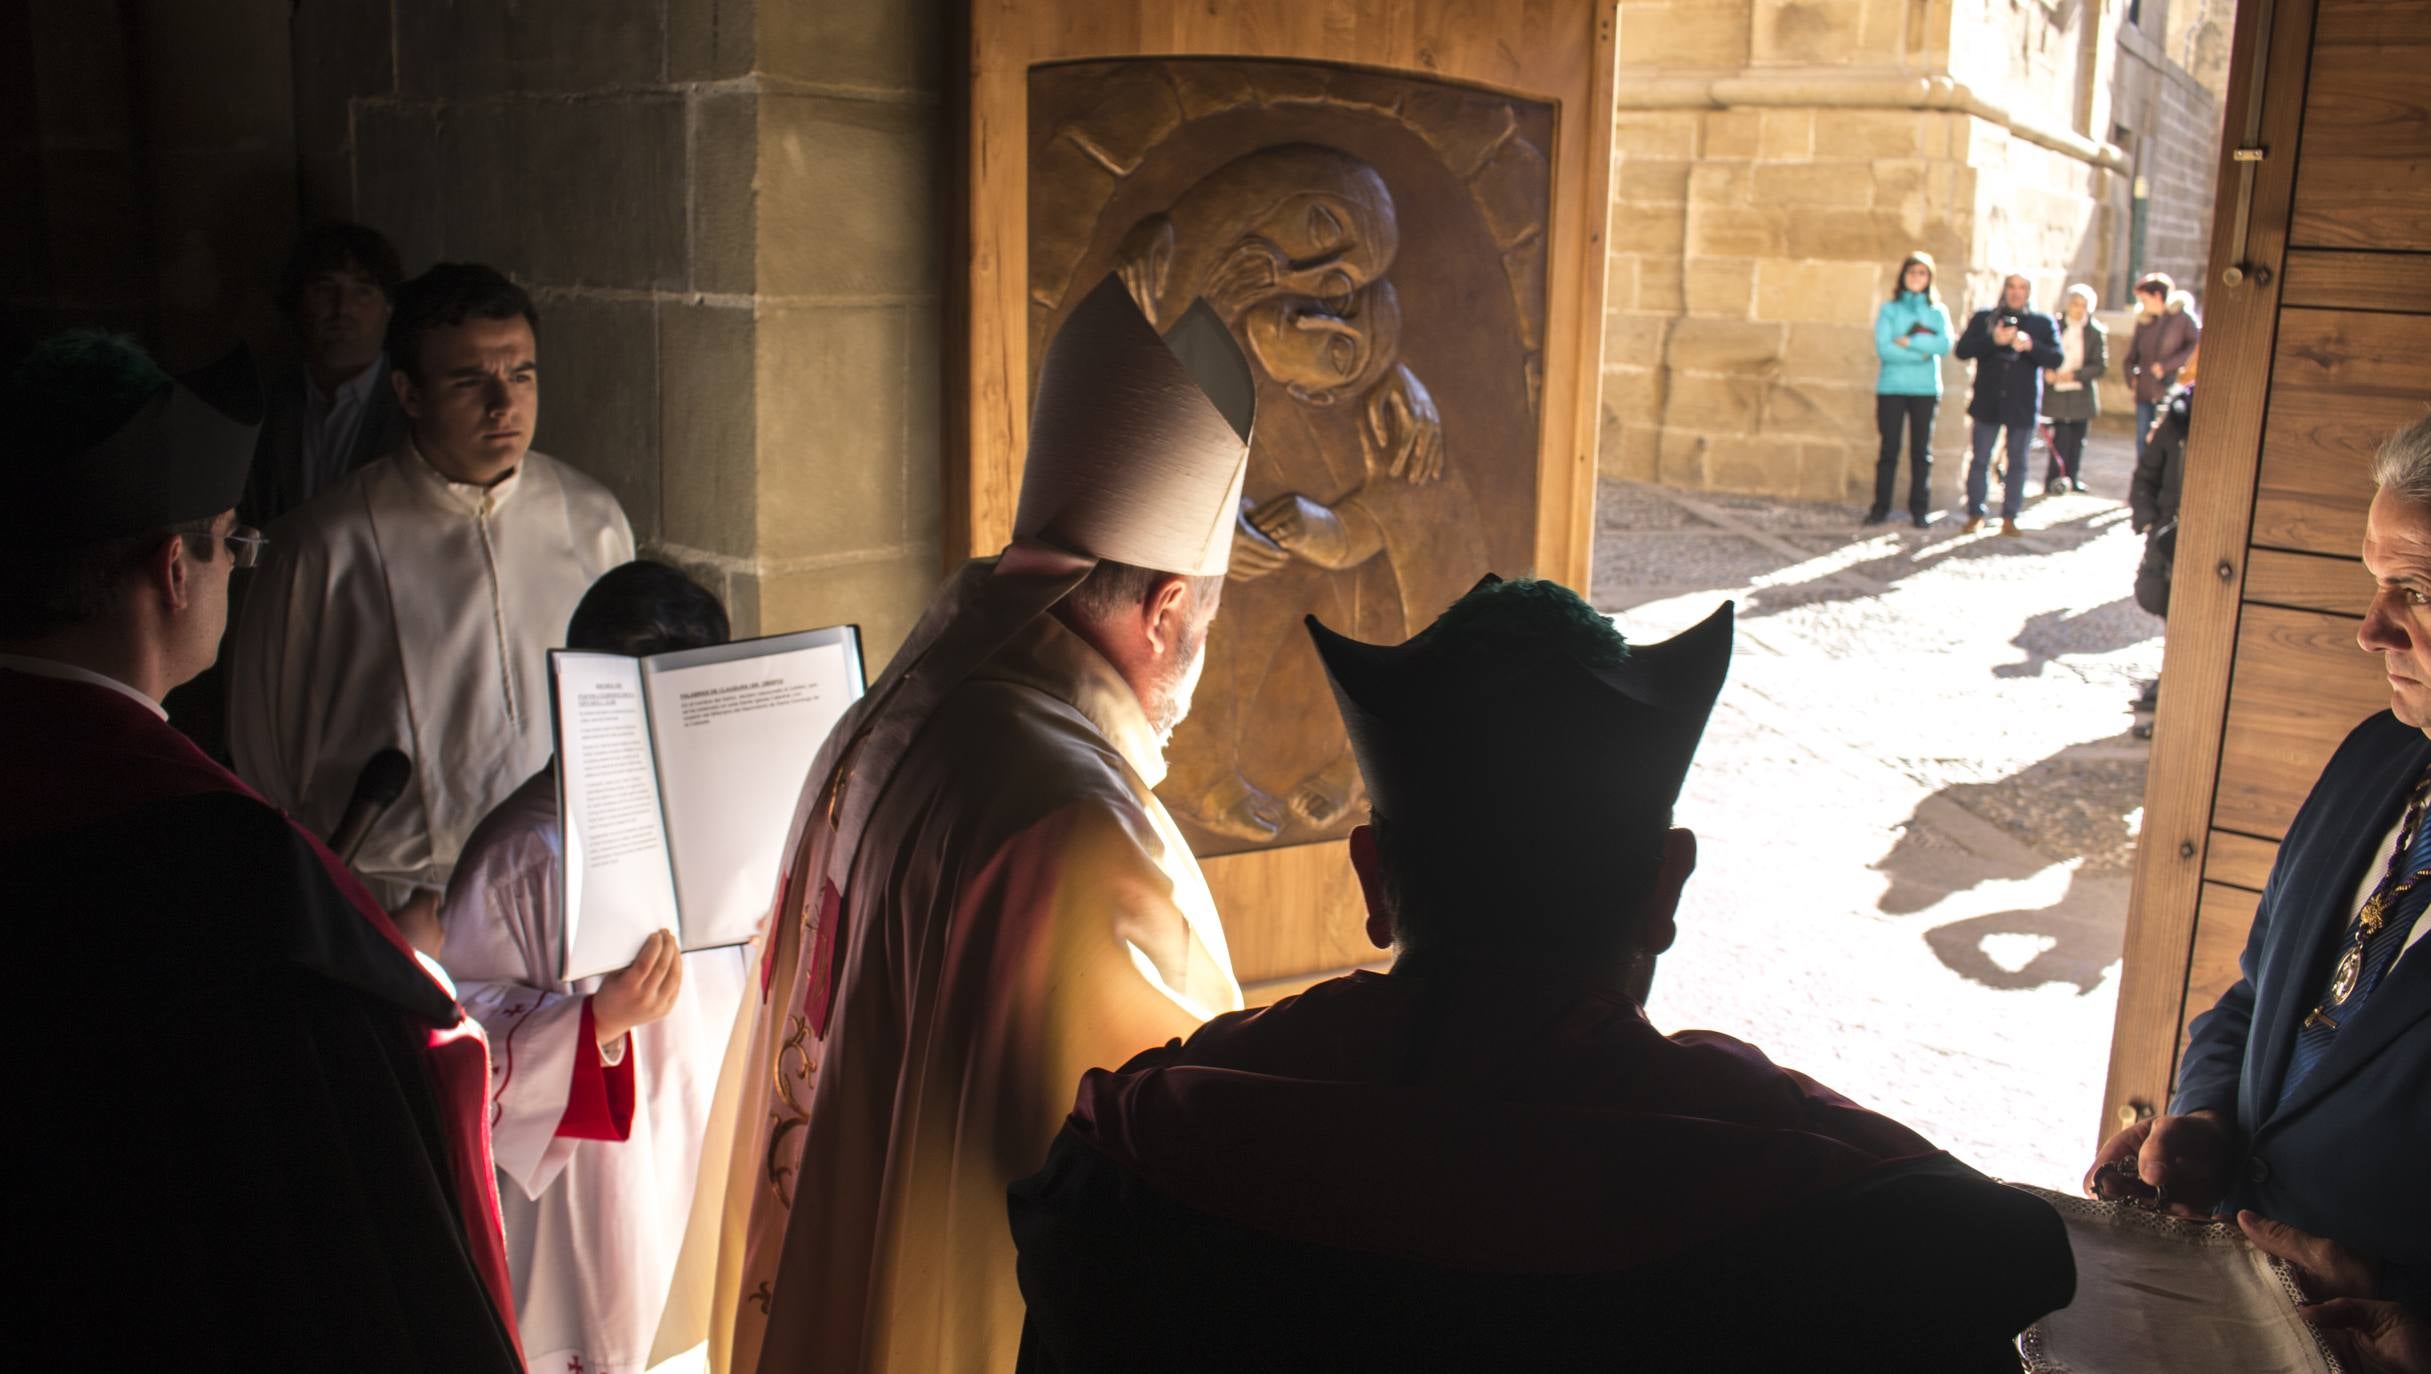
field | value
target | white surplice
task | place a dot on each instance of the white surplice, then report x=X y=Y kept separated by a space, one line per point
x=403 y=609
x=1014 y=907
x=593 y=1227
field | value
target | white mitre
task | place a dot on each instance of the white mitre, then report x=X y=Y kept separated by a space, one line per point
x=1138 y=443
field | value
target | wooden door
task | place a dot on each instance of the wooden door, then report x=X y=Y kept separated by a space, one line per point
x=2317 y=347
x=1471 y=139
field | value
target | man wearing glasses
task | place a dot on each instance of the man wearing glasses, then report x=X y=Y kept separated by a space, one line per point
x=255 y=1131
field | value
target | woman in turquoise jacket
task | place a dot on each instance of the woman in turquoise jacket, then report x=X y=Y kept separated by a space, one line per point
x=1911 y=335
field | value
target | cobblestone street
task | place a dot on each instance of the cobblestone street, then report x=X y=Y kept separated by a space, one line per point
x=1917 y=798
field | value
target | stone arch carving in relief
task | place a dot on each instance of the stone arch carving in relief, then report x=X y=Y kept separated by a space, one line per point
x=1377 y=243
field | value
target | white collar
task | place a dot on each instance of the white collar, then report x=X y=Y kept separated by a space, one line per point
x=466 y=495
x=69 y=672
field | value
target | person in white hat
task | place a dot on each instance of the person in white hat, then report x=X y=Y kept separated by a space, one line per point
x=984 y=896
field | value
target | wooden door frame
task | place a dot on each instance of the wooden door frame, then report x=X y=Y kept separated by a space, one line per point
x=988 y=363
x=2224 y=452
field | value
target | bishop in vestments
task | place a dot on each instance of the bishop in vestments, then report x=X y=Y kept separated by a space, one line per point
x=410 y=607
x=249 y=1123
x=601 y=1091
x=984 y=896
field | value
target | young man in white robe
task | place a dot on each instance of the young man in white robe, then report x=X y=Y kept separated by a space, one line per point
x=984 y=897
x=601 y=1090
x=410 y=607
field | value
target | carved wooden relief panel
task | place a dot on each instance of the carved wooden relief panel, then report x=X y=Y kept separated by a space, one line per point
x=1378 y=244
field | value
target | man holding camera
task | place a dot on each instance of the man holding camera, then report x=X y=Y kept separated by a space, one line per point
x=2010 y=344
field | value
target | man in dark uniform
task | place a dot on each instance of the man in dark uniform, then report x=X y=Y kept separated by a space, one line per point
x=253 y=1135
x=1487 y=1158
x=2304 y=1095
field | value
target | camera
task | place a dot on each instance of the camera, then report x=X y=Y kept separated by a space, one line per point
x=2011 y=318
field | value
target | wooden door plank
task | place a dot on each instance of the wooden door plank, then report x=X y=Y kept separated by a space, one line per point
x=2341 y=383
x=2224 y=917
x=2367 y=129
x=2308 y=581
x=2215 y=520
x=2239 y=860
x=2341 y=279
x=2302 y=683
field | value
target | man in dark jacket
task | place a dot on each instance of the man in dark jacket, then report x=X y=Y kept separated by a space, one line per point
x=2165 y=338
x=2010 y=344
x=333 y=411
x=2304 y=1094
x=1488 y=1158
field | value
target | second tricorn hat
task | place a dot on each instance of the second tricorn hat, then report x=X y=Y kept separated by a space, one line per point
x=1138 y=443
x=182 y=455
x=1537 y=763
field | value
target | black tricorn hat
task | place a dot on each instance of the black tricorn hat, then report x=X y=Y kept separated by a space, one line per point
x=181 y=456
x=1538 y=760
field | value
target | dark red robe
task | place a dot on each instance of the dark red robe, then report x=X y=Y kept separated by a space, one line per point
x=1391 y=1171
x=255 y=1136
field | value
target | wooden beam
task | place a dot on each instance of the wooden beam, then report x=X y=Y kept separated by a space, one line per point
x=2338 y=279
x=2307 y=582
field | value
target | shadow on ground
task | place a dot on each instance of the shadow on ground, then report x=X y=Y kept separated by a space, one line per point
x=2072 y=805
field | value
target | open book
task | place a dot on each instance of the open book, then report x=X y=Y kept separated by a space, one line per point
x=677 y=776
x=2161 y=1292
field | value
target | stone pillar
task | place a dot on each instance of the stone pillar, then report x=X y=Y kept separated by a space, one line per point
x=727 y=213
x=1774 y=160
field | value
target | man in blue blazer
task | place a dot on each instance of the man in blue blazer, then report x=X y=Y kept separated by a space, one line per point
x=2305 y=1093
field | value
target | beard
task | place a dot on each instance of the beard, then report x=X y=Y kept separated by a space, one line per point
x=1176 y=684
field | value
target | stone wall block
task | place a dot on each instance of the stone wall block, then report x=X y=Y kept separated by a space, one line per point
x=1719 y=286
x=1646 y=181
x=1659 y=286
x=403 y=183
x=883 y=596
x=1660 y=135
x=1765 y=467
x=848 y=197
x=1634 y=340
x=1714 y=403
x=709 y=40
x=1835 y=472
x=708 y=428
x=599 y=396
x=923 y=419
x=570 y=192
x=831 y=401
x=1721 y=345
x=891 y=46
x=1823 y=292
x=1747 y=231
x=1630 y=452
x=1805 y=32
x=1659 y=230
x=1837 y=185
x=218 y=75
x=1633 y=394
x=1848 y=235
x=1788 y=136
x=725 y=155
x=1832 y=353
x=1733 y=133
x=1818 y=409
x=480 y=47
x=1680 y=459
x=1696 y=34
x=1721 y=183
x=1871 y=133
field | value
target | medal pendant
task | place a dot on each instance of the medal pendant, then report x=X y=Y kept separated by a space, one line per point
x=2367 y=920
x=2350 y=972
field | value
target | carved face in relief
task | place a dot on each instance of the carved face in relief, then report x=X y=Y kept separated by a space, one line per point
x=1323 y=350
x=1300 y=220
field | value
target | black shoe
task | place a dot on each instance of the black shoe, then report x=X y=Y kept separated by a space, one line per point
x=1875 y=516
x=1922 y=522
x=2149 y=697
x=2075 y=485
x=2142 y=729
x=2054 y=487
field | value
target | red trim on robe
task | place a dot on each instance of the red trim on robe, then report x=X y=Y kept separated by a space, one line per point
x=819 y=989
x=599 y=1102
x=128 y=757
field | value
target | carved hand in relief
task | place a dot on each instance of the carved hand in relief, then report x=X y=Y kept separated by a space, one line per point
x=1305 y=529
x=1253 y=554
x=1403 y=431
x=1321 y=798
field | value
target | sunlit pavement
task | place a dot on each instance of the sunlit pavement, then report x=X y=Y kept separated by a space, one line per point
x=1916 y=799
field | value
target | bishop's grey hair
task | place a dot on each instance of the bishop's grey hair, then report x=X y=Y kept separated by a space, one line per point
x=2403 y=464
